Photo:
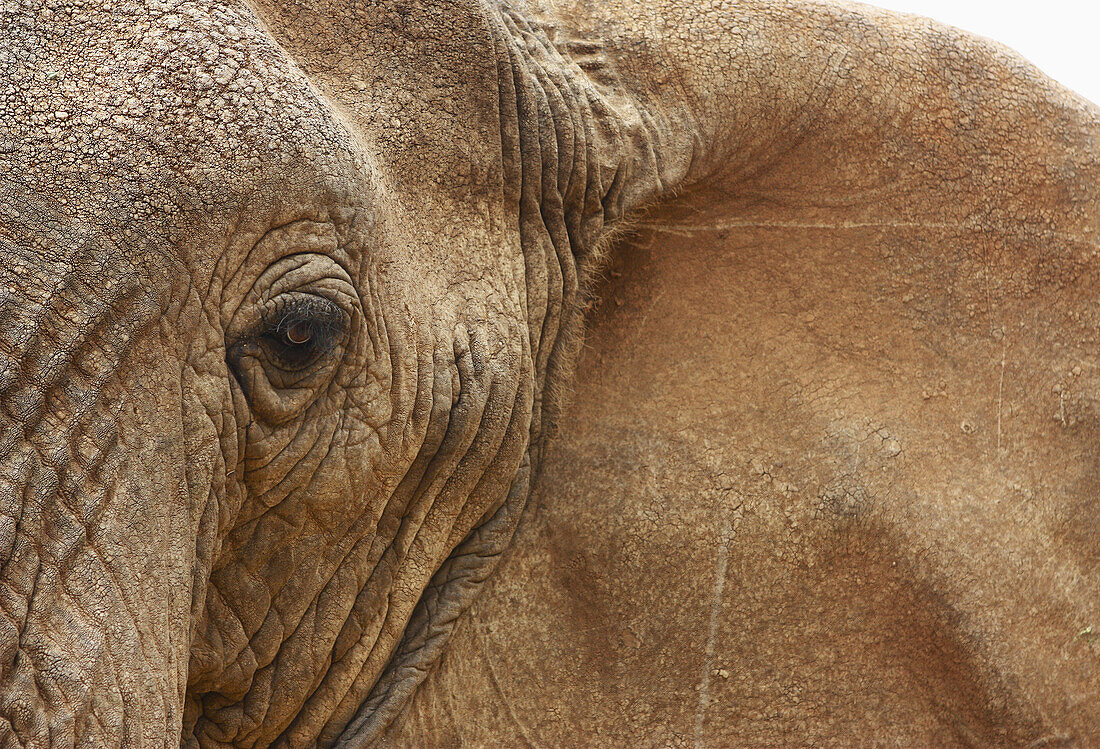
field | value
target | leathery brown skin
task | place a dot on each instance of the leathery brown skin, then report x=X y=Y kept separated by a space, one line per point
x=288 y=290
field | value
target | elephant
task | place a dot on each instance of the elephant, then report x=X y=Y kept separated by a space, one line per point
x=384 y=373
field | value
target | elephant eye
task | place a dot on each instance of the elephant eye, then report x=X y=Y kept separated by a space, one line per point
x=300 y=328
x=298 y=334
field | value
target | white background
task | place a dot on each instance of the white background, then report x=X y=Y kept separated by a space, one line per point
x=1062 y=37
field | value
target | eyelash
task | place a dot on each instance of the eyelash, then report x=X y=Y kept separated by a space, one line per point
x=325 y=322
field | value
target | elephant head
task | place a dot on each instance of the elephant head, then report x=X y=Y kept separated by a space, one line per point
x=290 y=293
x=286 y=290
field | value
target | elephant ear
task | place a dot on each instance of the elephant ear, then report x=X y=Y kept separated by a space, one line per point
x=794 y=159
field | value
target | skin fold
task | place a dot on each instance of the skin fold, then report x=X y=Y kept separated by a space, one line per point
x=299 y=445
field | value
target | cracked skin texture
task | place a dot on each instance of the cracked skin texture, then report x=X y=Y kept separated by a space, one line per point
x=827 y=471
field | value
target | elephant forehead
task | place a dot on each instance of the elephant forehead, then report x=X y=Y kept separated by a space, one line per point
x=141 y=111
x=428 y=81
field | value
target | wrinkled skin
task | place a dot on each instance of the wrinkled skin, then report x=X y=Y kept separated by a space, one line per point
x=290 y=294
